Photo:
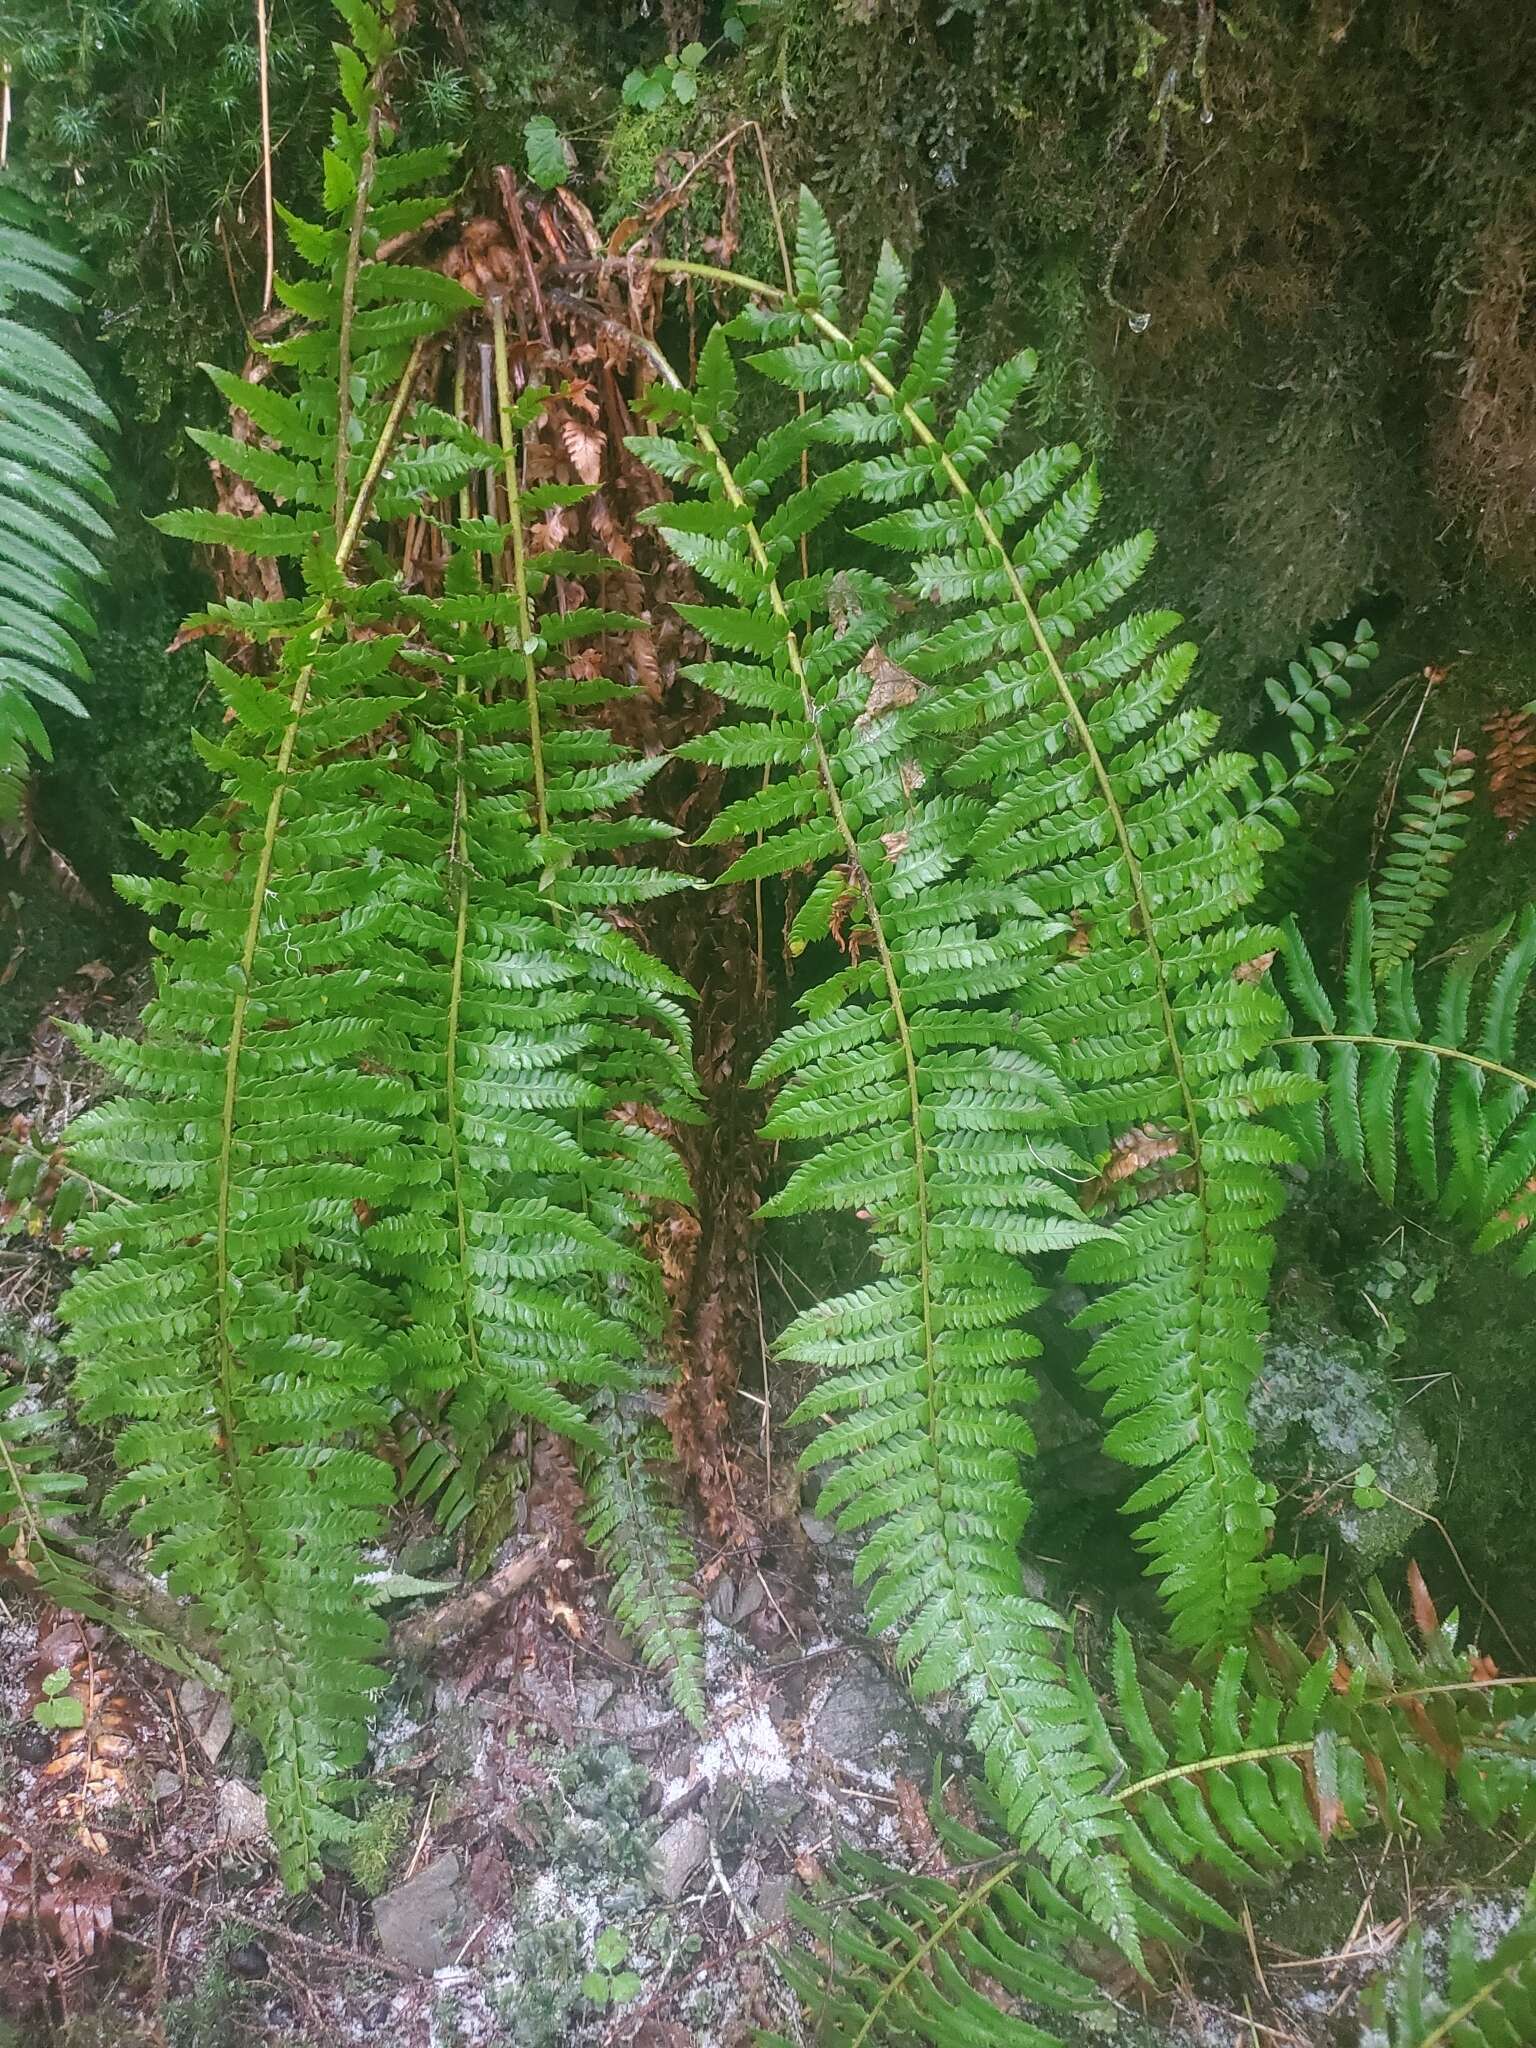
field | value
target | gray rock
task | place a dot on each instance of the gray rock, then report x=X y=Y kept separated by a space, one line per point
x=772 y=1901
x=422 y=1923
x=240 y=1817
x=208 y=1715
x=165 y=1785
x=679 y=1851
x=864 y=1722
x=816 y=1529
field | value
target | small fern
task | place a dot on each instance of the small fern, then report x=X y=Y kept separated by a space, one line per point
x=1455 y=1105
x=1489 y=2003
x=1217 y=1788
x=1308 y=704
x=53 y=493
x=637 y=1532
x=1431 y=830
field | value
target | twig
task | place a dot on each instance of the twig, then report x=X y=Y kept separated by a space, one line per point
x=138 y=1880
x=428 y=1631
x=266 y=154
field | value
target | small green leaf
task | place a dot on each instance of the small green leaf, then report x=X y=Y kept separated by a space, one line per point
x=691 y=56
x=594 y=1986
x=624 y=1987
x=549 y=157
x=610 y=1948
x=685 y=86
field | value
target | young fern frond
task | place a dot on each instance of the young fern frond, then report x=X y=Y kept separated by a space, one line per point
x=1431 y=830
x=1308 y=704
x=637 y=1532
x=534 y=1020
x=34 y=1493
x=1070 y=852
x=1487 y=2003
x=930 y=1107
x=53 y=493
x=1223 y=1787
x=1446 y=1110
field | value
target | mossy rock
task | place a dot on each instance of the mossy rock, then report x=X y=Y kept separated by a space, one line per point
x=1354 y=1469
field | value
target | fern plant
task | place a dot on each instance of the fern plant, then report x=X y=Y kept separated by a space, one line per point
x=1447 y=1107
x=1040 y=872
x=1218 y=1788
x=1431 y=829
x=53 y=493
x=374 y=1153
x=1483 y=2003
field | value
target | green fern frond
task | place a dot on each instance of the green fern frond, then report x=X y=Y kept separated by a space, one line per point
x=34 y=1493
x=1022 y=828
x=1317 y=740
x=1218 y=1788
x=233 y=1322
x=906 y=1080
x=52 y=493
x=1449 y=1111
x=1431 y=830
x=1487 y=2003
x=637 y=1532
x=388 y=1142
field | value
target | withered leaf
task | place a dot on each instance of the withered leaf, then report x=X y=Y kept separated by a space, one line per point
x=891 y=688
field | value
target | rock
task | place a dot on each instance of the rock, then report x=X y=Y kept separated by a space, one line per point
x=772 y=1901
x=1324 y=1410
x=240 y=1816
x=422 y=1923
x=164 y=1785
x=208 y=1715
x=678 y=1852
x=816 y=1529
x=863 y=1721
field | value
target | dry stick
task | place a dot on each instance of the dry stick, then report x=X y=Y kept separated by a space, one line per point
x=139 y=1880
x=266 y=154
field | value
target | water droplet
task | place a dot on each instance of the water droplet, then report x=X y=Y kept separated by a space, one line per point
x=1140 y=322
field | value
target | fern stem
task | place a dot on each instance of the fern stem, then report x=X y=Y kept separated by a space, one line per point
x=458 y=867
x=525 y=632
x=1418 y=1045
x=365 y=178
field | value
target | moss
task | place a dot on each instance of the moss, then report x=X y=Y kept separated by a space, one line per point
x=375 y=1845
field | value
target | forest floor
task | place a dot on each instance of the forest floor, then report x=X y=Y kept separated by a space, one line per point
x=547 y=1852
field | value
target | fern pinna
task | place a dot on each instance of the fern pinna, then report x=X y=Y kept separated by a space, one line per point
x=1453 y=1099
x=53 y=492
x=1042 y=870
x=369 y=1151
x=1219 y=1788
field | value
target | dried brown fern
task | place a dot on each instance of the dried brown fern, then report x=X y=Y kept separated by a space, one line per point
x=1512 y=769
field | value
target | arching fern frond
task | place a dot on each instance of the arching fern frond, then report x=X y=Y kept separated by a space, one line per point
x=53 y=492
x=1223 y=1787
x=1481 y=2003
x=1431 y=828
x=1059 y=844
x=1433 y=1095
x=927 y=1104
